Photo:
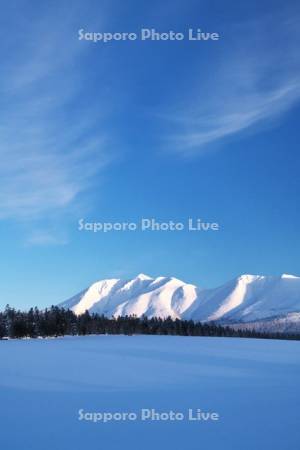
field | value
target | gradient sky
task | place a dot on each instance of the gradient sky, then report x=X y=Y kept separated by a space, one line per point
x=124 y=130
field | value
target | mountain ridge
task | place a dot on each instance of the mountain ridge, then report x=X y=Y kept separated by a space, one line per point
x=244 y=299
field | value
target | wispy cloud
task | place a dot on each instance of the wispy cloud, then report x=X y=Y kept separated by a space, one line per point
x=256 y=80
x=42 y=238
x=51 y=142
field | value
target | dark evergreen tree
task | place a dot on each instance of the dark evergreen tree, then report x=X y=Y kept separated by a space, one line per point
x=57 y=321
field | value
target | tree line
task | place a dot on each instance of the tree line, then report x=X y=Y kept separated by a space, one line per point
x=55 y=321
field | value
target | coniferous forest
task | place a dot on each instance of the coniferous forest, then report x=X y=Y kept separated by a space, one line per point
x=55 y=321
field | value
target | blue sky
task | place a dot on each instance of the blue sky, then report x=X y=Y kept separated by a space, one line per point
x=125 y=130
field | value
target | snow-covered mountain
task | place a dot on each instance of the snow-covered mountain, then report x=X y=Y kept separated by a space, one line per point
x=160 y=297
x=246 y=299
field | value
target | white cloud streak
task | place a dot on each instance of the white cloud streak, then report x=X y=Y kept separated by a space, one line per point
x=256 y=80
x=44 y=238
x=51 y=146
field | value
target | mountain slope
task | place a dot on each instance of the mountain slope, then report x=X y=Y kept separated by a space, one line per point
x=143 y=295
x=246 y=299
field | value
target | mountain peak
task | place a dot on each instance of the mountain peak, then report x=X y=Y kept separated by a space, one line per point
x=243 y=299
x=248 y=277
x=142 y=276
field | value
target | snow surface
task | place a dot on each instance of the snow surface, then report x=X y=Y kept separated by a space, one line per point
x=252 y=384
x=246 y=298
x=143 y=295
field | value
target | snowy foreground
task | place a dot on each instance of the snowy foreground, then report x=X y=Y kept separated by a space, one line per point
x=253 y=385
